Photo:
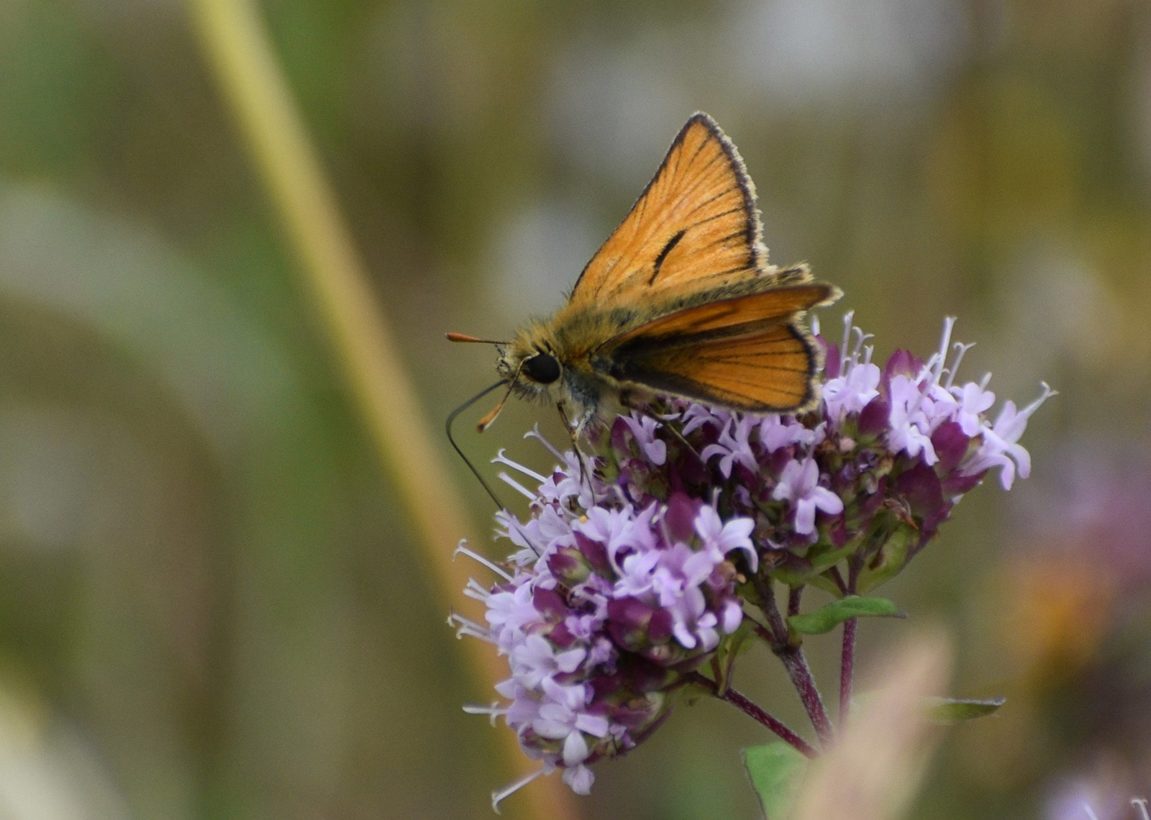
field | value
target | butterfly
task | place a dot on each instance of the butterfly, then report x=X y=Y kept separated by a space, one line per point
x=679 y=301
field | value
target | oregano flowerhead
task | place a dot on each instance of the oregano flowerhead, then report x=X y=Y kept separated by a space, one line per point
x=639 y=558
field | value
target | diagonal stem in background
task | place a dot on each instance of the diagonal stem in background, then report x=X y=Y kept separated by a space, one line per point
x=237 y=51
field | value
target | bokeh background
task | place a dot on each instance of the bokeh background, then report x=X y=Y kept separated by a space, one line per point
x=212 y=600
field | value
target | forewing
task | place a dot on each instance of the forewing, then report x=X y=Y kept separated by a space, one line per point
x=747 y=353
x=694 y=225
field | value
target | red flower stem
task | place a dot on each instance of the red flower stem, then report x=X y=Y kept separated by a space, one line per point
x=757 y=713
x=800 y=673
x=794 y=596
x=795 y=662
x=847 y=668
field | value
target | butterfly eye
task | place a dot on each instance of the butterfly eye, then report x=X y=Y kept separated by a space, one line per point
x=542 y=368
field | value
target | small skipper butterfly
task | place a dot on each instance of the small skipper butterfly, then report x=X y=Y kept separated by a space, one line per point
x=679 y=301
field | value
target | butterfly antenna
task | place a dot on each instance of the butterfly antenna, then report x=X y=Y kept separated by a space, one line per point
x=448 y=429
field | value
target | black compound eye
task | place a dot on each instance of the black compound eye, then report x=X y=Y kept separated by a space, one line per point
x=542 y=368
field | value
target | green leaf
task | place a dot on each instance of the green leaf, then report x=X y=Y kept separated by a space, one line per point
x=776 y=771
x=831 y=615
x=954 y=710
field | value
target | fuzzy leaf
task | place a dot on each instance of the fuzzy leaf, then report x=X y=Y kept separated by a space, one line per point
x=831 y=615
x=776 y=771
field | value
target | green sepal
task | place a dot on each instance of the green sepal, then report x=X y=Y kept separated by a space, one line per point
x=892 y=557
x=809 y=568
x=729 y=648
x=829 y=616
x=776 y=771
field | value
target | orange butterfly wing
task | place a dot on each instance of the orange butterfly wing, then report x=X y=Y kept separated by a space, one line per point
x=695 y=224
x=743 y=352
x=728 y=314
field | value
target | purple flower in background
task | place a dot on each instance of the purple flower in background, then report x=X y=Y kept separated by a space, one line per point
x=630 y=578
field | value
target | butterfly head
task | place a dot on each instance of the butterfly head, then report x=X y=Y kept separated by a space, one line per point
x=529 y=363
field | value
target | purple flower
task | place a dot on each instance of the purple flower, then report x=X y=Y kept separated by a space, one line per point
x=643 y=430
x=720 y=537
x=999 y=447
x=601 y=612
x=799 y=484
x=911 y=417
x=851 y=393
x=628 y=578
x=734 y=447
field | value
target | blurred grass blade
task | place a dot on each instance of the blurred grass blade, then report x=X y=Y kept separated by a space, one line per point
x=237 y=50
x=877 y=764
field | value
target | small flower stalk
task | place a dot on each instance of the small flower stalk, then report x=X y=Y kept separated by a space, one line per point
x=640 y=577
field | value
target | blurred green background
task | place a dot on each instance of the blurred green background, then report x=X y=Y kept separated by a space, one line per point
x=212 y=603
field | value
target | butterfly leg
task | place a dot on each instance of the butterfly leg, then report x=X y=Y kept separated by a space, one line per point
x=625 y=400
x=573 y=428
x=678 y=436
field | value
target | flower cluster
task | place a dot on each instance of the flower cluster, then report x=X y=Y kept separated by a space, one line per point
x=604 y=608
x=632 y=559
x=843 y=496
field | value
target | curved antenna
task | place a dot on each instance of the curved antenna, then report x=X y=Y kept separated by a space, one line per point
x=448 y=429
